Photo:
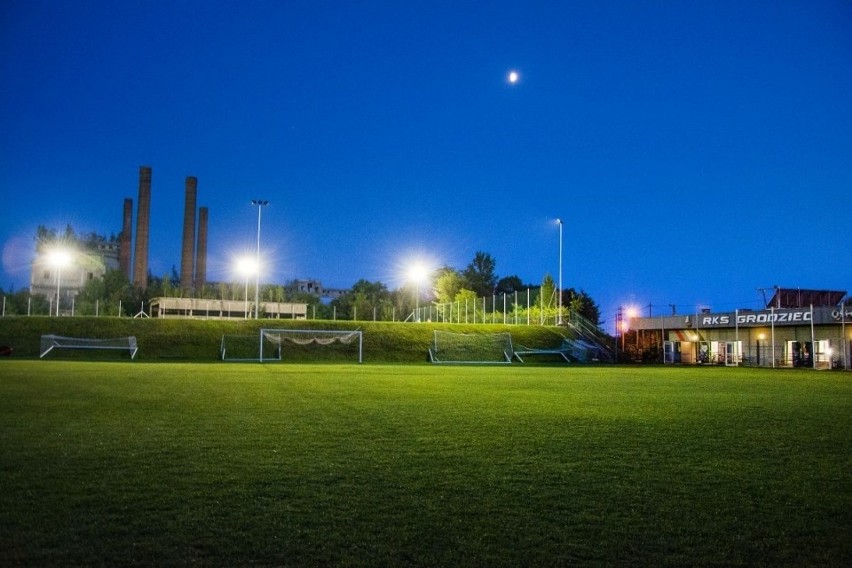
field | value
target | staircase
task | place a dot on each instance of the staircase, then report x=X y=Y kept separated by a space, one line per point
x=587 y=332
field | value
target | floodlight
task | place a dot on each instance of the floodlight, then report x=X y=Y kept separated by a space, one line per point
x=246 y=266
x=417 y=273
x=59 y=257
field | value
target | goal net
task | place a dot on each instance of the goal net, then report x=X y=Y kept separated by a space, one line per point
x=240 y=348
x=450 y=347
x=50 y=343
x=311 y=345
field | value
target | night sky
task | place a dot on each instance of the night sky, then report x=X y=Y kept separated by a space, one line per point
x=696 y=151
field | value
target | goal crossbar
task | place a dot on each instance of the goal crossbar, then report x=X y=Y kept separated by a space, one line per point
x=51 y=342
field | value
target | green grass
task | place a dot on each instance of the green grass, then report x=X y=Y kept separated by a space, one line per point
x=238 y=464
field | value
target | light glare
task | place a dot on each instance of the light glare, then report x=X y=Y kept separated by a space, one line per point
x=59 y=258
x=246 y=266
x=417 y=273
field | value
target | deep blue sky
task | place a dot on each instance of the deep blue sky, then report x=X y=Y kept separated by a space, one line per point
x=695 y=150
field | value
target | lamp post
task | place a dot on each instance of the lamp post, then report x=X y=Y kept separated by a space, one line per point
x=58 y=258
x=559 y=313
x=617 y=330
x=260 y=204
x=631 y=313
x=246 y=266
x=417 y=273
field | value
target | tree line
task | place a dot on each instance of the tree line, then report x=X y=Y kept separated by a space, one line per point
x=366 y=300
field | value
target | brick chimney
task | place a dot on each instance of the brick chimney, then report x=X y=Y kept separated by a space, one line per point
x=201 y=251
x=143 y=221
x=187 y=257
x=125 y=255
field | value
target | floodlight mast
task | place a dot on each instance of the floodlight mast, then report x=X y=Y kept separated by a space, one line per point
x=260 y=204
x=559 y=315
x=417 y=273
x=246 y=266
x=58 y=281
x=59 y=258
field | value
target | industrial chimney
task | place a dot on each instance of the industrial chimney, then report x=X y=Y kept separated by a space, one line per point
x=201 y=251
x=143 y=221
x=187 y=256
x=124 y=253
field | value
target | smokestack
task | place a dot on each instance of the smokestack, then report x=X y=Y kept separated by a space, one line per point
x=187 y=256
x=143 y=221
x=201 y=251
x=124 y=253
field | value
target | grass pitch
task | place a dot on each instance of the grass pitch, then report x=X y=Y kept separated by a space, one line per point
x=235 y=464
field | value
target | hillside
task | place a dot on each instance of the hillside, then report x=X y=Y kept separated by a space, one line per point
x=200 y=340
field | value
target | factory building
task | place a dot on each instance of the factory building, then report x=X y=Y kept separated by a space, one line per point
x=64 y=280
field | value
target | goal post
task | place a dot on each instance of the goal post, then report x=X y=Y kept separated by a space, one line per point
x=52 y=342
x=279 y=344
x=471 y=348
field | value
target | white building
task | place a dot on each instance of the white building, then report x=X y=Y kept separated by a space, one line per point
x=80 y=266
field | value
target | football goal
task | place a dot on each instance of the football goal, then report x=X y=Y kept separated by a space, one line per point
x=311 y=345
x=50 y=343
x=473 y=348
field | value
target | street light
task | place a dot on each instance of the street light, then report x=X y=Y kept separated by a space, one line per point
x=559 y=315
x=260 y=204
x=246 y=266
x=58 y=258
x=631 y=312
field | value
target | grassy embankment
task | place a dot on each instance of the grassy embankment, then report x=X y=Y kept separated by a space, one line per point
x=199 y=340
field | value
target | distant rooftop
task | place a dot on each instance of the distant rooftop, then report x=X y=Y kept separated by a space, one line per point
x=798 y=298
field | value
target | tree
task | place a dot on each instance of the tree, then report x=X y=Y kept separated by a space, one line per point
x=479 y=275
x=547 y=294
x=467 y=304
x=361 y=300
x=510 y=284
x=583 y=304
x=21 y=303
x=169 y=289
x=447 y=285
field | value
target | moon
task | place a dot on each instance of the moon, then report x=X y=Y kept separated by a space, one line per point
x=513 y=77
